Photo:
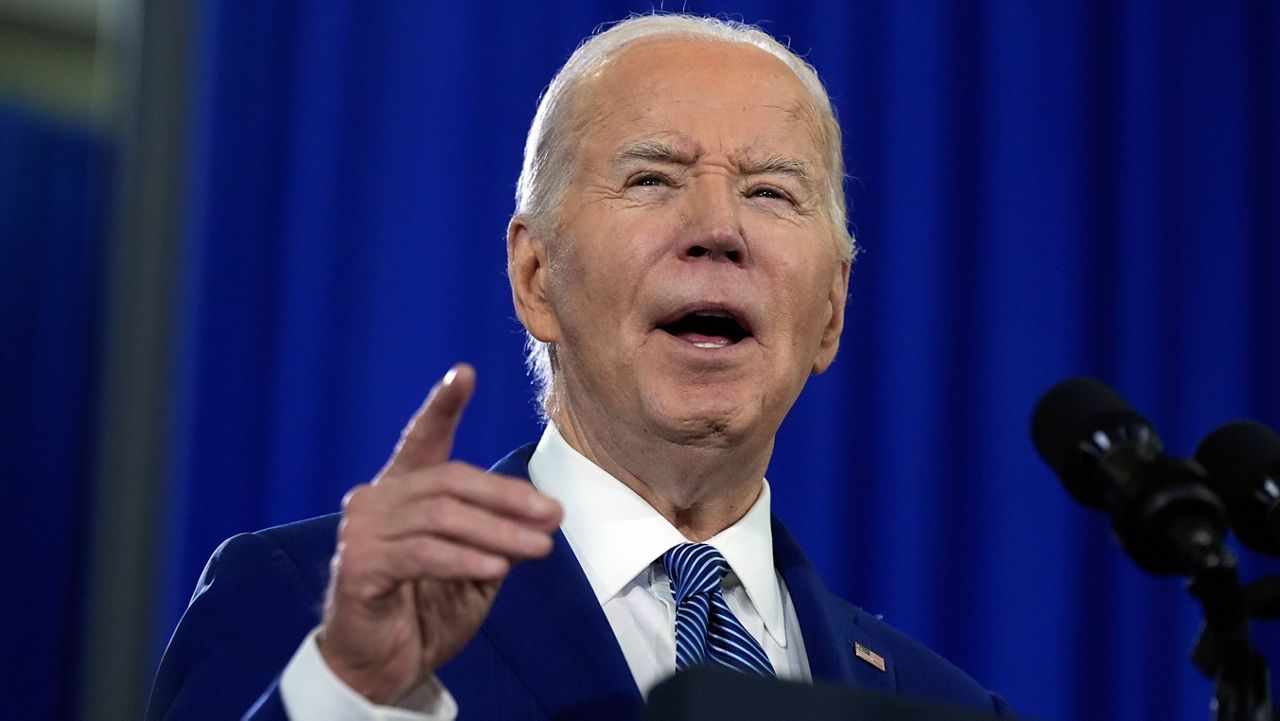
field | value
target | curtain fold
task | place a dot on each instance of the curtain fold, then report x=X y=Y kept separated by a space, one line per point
x=55 y=187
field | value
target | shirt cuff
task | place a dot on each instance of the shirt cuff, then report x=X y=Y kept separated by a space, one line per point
x=311 y=690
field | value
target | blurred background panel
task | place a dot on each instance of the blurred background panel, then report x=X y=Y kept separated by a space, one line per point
x=240 y=240
x=61 y=100
x=61 y=57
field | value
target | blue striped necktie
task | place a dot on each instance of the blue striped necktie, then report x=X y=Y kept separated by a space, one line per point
x=706 y=630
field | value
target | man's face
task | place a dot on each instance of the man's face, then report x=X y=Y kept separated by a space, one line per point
x=694 y=280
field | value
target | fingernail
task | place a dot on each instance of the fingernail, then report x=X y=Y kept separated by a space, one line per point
x=448 y=377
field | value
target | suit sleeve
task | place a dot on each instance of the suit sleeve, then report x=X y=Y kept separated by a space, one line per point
x=250 y=611
x=1000 y=706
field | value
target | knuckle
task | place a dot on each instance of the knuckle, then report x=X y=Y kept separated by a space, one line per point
x=430 y=555
x=447 y=476
x=437 y=478
x=346 y=558
x=441 y=510
x=344 y=531
x=352 y=525
x=446 y=555
x=447 y=558
x=446 y=482
x=356 y=498
x=459 y=472
x=356 y=532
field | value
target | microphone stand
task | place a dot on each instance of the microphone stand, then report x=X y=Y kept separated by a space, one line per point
x=1222 y=652
x=1262 y=598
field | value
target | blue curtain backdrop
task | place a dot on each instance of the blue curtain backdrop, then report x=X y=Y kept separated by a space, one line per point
x=1042 y=189
x=54 y=194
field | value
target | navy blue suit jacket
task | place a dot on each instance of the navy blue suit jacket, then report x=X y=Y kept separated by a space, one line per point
x=545 y=651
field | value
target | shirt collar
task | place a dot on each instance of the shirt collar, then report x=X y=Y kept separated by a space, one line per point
x=616 y=535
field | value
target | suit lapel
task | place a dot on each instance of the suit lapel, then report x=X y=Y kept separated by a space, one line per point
x=832 y=636
x=547 y=625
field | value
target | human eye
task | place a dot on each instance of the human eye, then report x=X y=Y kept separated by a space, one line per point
x=769 y=192
x=649 y=179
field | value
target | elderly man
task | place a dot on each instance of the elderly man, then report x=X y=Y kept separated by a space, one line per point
x=680 y=259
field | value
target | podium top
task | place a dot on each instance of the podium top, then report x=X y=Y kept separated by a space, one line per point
x=705 y=693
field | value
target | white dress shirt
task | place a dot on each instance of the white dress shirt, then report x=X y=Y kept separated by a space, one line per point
x=618 y=539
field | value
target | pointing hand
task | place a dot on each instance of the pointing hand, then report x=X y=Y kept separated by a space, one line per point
x=422 y=551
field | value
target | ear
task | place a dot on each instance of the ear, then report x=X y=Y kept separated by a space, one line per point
x=836 y=297
x=527 y=270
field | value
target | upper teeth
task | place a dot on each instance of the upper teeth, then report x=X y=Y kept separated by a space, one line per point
x=713 y=314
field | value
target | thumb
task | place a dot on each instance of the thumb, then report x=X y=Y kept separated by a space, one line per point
x=427 y=440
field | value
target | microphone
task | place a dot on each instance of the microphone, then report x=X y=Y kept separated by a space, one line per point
x=1243 y=460
x=1110 y=457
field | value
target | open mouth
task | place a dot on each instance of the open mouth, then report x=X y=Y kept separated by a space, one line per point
x=707 y=329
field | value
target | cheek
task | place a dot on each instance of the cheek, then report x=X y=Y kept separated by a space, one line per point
x=608 y=261
x=589 y=293
x=807 y=301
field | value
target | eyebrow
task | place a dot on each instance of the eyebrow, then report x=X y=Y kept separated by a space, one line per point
x=656 y=151
x=795 y=167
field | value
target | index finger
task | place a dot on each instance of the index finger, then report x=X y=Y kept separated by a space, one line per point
x=427 y=439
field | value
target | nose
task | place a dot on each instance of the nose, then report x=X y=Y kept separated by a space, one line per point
x=713 y=223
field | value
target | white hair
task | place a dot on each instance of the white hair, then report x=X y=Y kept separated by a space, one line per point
x=548 y=149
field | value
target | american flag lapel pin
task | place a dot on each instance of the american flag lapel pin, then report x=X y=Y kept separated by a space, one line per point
x=869 y=656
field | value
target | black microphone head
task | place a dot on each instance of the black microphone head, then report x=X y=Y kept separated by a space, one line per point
x=1083 y=429
x=1243 y=461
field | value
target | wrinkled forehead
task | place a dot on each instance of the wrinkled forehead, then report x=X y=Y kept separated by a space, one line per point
x=678 y=86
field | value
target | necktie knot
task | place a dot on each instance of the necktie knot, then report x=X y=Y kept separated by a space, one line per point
x=694 y=568
x=705 y=628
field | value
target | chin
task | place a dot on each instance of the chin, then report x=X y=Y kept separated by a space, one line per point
x=710 y=418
